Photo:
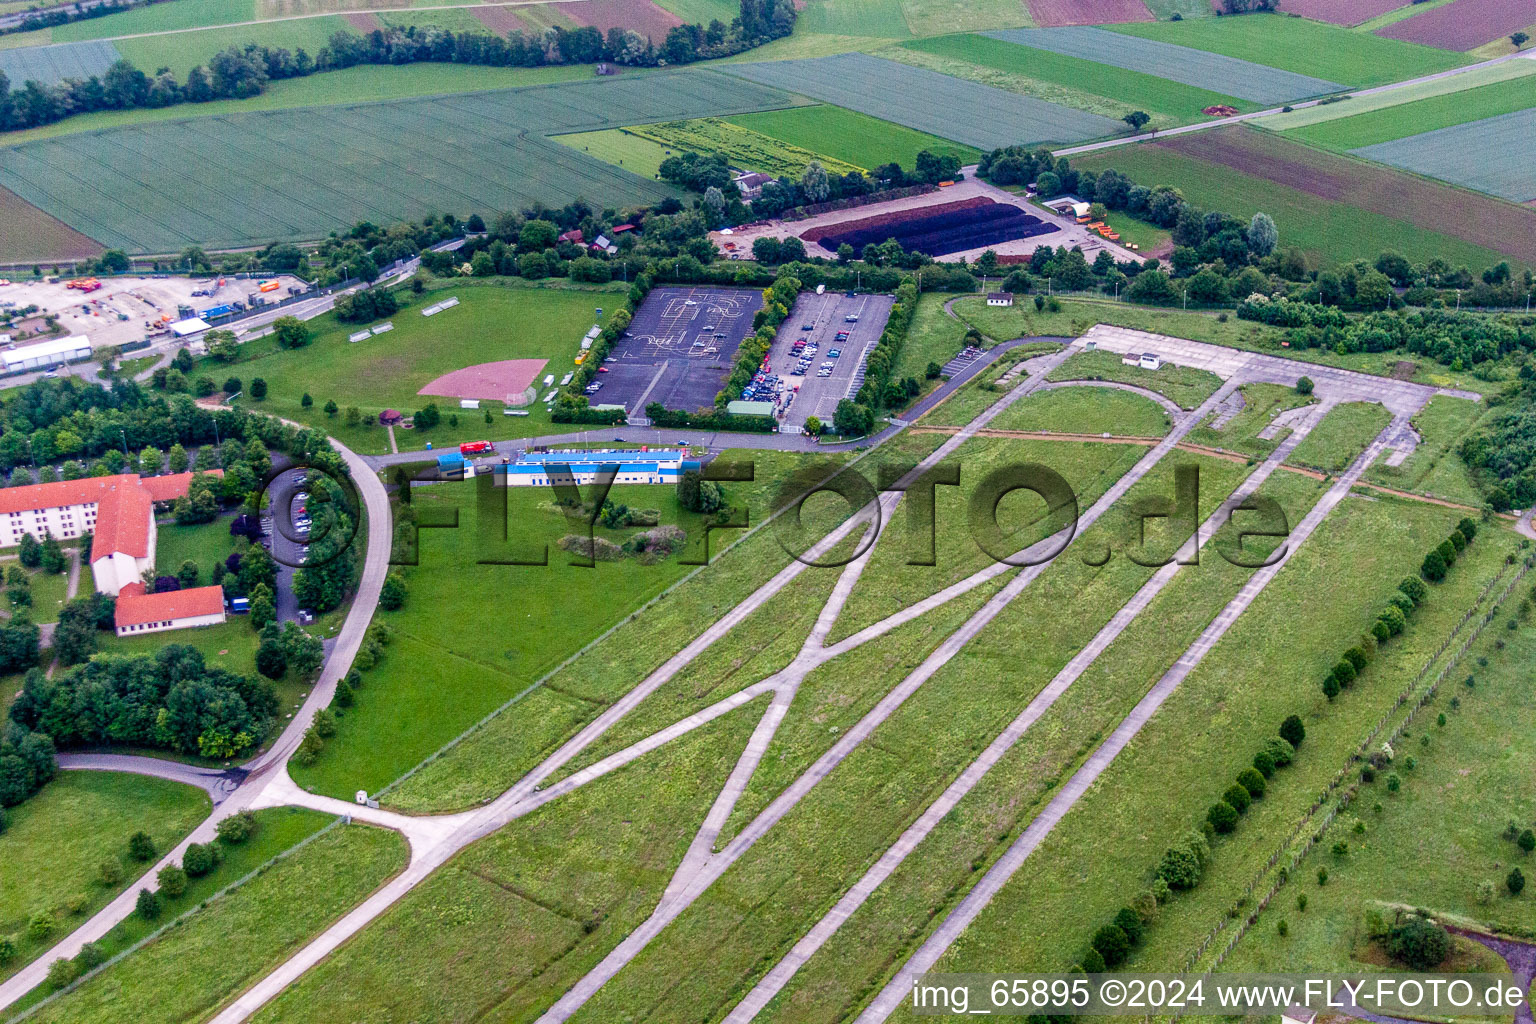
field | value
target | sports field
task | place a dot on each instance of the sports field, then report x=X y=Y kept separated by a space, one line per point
x=1223 y=77
x=1134 y=90
x=1310 y=48
x=848 y=135
x=298 y=174
x=976 y=115
x=50 y=65
x=1466 y=87
x=1496 y=155
x=1328 y=205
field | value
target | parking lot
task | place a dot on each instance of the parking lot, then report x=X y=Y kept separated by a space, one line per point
x=127 y=309
x=826 y=316
x=678 y=350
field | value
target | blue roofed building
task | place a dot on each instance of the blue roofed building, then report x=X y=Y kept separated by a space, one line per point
x=535 y=469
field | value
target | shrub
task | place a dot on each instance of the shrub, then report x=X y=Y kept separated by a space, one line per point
x=7 y=949
x=1394 y=783
x=1264 y=764
x=1093 y=962
x=1394 y=619
x=141 y=846
x=1433 y=568
x=1344 y=672
x=1330 y=686
x=1129 y=921
x=1527 y=841
x=40 y=925
x=1419 y=943
x=173 y=881
x=1515 y=882
x=1458 y=541
x=1292 y=731
x=1112 y=944
x=148 y=905
x=1467 y=528
x=237 y=828
x=1367 y=774
x=110 y=872
x=61 y=972
x=91 y=955
x=1357 y=658
x=1184 y=861
x=198 y=860
x=1282 y=928
x=1485 y=891
x=1237 y=797
x=1322 y=875
x=1222 y=816
x=1301 y=902
x=1414 y=589
x=1252 y=781
x=1280 y=751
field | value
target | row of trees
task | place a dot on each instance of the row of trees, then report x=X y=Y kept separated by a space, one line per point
x=1440 y=559
x=243 y=72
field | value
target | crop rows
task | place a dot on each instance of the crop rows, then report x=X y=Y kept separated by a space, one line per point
x=50 y=65
x=950 y=108
x=1243 y=79
x=297 y=174
x=1496 y=155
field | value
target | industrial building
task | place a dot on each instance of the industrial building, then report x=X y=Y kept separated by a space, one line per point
x=47 y=353
x=634 y=467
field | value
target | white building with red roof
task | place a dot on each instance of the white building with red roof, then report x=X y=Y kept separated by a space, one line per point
x=119 y=512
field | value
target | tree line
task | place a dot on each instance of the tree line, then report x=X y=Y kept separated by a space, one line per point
x=241 y=72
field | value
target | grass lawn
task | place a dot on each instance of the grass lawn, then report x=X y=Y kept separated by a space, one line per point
x=48 y=593
x=492 y=322
x=1368 y=129
x=51 y=855
x=181 y=51
x=448 y=666
x=188 y=971
x=1327 y=230
x=867 y=18
x=1432 y=843
x=506 y=926
x=1132 y=89
x=620 y=147
x=1265 y=668
x=528 y=727
x=1343 y=434
x=1184 y=385
x=877 y=936
x=1353 y=59
x=1356 y=105
x=1086 y=410
x=935 y=337
x=1261 y=403
x=981 y=391
x=850 y=136
x=1435 y=468
x=349 y=85
x=207 y=544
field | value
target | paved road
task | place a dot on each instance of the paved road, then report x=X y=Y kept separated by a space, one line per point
x=218 y=784
x=927 y=955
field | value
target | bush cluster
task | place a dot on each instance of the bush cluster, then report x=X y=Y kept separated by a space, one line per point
x=1440 y=559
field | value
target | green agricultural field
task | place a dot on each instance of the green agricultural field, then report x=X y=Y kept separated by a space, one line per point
x=160 y=17
x=1261 y=403
x=365 y=83
x=1165 y=10
x=51 y=855
x=492 y=322
x=187 y=972
x=208 y=545
x=1423 y=115
x=51 y=65
x=935 y=17
x=1354 y=59
x=446 y=668
x=483 y=151
x=1344 y=433
x=850 y=136
x=743 y=147
x=1266 y=667
x=702 y=12
x=181 y=51
x=1435 y=468
x=1327 y=230
x=455 y=19
x=1436 y=841
x=1467 y=82
x=1184 y=385
x=620 y=147
x=1133 y=89
x=867 y=18
x=1085 y=410
x=1408 y=10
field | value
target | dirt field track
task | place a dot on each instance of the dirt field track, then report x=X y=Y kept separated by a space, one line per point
x=1051 y=13
x=1464 y=24
x=1460 y=214
x=492 y=382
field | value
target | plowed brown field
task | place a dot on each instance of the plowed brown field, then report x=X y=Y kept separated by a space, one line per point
x=27 y=234
x=1469 y=216
x=642 y=16
x=1051 y=13
x=1463 y=24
